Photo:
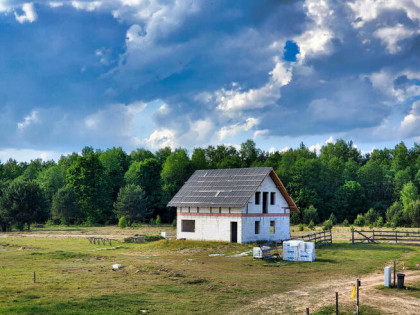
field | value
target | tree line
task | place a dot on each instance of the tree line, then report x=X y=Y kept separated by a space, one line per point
x=99 y=187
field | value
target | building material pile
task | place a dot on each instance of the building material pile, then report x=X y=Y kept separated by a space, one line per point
x=298 y=251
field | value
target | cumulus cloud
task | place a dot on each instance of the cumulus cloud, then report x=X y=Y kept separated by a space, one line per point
x=410 y=126
x=86 y=5
x=232 y=130
x=29 y=14
x=317 y=147
x=235 y=99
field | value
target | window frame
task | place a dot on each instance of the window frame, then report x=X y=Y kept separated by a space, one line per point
x=258 y=197
x=257 y=227
x=184 y=228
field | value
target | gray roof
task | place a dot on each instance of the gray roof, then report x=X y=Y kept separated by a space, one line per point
x=222 y=187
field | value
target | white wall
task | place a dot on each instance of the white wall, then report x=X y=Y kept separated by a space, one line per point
x=268 y=186
x=281 y=231
x=210 y=228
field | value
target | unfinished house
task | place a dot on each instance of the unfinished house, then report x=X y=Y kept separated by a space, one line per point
x=234 y=205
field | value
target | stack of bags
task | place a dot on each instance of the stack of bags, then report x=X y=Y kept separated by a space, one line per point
x=298 y=251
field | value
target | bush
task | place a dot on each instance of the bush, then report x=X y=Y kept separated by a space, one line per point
x=20 y=226
x=153 y=238
x=310 y=214
x=152 y=221
x=327 y=225
x=346 y=222
x=158 y=220
x=360 y=220
x=301 y=227
x=379 y=222
x=371 y=216
x=174 y=223
x=333 y=218
x=311 y=225
x=413 y=212
x=351 y=228
x=122 y=222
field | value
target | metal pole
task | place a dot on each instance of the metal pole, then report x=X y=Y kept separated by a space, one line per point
x=336 y=303
x=357 y=294
x=307 y=311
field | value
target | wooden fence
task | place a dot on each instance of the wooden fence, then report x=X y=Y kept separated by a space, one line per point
x=372 y=237
x=320 y=238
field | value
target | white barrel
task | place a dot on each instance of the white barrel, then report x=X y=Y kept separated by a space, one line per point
x=163 y=234
x=387 y=274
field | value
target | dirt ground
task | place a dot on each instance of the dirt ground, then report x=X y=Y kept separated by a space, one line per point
x=320 y=295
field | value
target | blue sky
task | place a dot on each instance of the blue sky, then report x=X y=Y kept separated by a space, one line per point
x=151 y=73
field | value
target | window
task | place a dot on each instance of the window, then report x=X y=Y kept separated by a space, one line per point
x=188 y=225
x=257 y=227
x=198 y=209
x=257 y=197
x=265 y=202
x=272 y=227
x=272 y=198
x=220 y=209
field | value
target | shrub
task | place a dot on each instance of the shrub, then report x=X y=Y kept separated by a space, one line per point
x=360 y=220
x=153 y=238
x=311 y=225
x=20 y=226
x=333 y=218
x=379 y=222
x=301 y=227
x=327 y=225
x=346 y=222
x=371 y=216
x=174 y=223
x=122 y=222
x=413 y=212
x=352 y=228
x=158 y=220
x=310 y=214
x=152 y=221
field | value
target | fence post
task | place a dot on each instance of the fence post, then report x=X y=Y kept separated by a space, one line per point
x=352 y=236
x=373 y=236
x=336 y=303
x=307 y=311
x=396 y=237
x=357 y=294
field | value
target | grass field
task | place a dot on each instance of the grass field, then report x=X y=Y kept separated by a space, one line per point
x=179 y=277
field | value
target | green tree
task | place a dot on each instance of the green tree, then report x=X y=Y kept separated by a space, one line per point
x=11 y=170
x=198 y=159
x=141 y=154
x=162 y=154
x=115 y=162
x=175 y=172
x=310 y=214
x=64 y=206
x=89 y=181
x=351 y=200
x=25 y=203
x=146 y=174
x=413 y=212
x=51 y=180
x=409 y=194
x=249 y=153
x=131 y=204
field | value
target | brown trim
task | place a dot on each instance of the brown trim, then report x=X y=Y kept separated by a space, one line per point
x=280 y=186
x=236 y=214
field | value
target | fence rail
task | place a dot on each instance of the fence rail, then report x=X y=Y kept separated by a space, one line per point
x=372 y=237
x=320 y=238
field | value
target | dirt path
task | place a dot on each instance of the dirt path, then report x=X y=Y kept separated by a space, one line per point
x=320 y=295
x=67 y=235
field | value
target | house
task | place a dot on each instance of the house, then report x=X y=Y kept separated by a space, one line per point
x=234 y=205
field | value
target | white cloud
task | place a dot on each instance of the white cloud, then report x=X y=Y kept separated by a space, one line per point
x=55 y=4
x=232 y=130
x=87 y=6
x=29 y=13
x=368 y=10
x=236 y=100
x=317 y=147
x=28 y=120
x=410 y=126
x=161 y=138
x=390 y=36
x=258 y=133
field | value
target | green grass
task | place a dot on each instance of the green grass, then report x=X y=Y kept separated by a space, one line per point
x=171 y=277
